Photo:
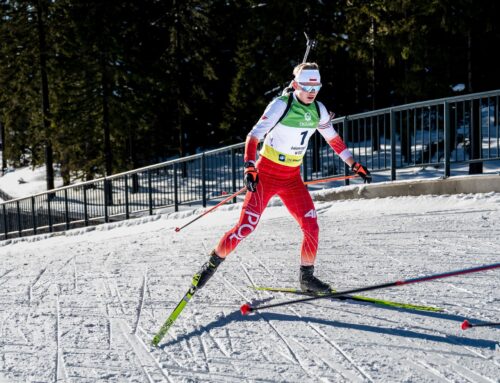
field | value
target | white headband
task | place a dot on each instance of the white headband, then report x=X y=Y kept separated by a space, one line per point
x=308 y=75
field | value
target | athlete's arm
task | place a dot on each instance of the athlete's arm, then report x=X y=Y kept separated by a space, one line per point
x=331 y=136
x=268 y=120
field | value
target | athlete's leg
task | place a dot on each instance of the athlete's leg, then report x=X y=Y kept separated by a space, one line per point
x=299 y=203
x=253 y=206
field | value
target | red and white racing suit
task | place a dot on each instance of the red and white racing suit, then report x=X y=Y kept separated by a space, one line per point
x=278 y=167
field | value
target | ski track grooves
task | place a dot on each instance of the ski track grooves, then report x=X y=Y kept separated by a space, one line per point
x=84 y=310
x=222 y=349
x=141 y=351
x=75 y=275
x=290 y=349
x=246 y=273
x=463 y=372
x=338 y=349
x=333 y=344
x=137 y=346
x=5 y=274
x=141 y=302
x=319 y=332
x=35 y=282
x=347 y=357
x=230 y=285
x=261 y=263
x=427 y=370
x=59 y=357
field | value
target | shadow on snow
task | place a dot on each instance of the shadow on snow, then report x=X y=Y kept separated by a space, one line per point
x=236 y=316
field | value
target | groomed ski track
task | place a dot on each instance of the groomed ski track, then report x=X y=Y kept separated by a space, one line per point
x=84 y=306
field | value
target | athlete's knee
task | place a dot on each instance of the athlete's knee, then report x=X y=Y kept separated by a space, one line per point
x=240 y=232
x=310 y=226
x=245 y=227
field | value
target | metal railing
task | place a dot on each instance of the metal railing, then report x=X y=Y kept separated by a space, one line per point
x=462 y=129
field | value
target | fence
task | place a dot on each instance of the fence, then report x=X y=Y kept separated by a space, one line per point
x=462 y=129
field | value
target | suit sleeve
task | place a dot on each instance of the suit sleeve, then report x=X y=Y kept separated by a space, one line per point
x=331 y=136
x=268 y=120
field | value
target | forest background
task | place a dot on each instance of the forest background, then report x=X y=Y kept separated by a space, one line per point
x=99 y=87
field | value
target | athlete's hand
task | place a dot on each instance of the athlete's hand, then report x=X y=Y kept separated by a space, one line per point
x=251 y=176
x=362 y=171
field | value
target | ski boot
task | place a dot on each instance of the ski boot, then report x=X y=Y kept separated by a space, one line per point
x=207 y=270
x=309 y=283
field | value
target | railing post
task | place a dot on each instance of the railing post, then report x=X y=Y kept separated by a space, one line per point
x=19 y=226
x=135 y=183
x=392 y=124
x=106 y=214
x=476 y=165
x=5 y=228
x=447 y=135
x=66 y=208
x=203 y=181
x=33 y=215
x=108 y=191
x=176 y=191
x=127 y=213
x=49 y=212
x=150 y=192
x=85 y=208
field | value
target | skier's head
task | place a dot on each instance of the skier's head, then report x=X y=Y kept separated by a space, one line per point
x=306 y=82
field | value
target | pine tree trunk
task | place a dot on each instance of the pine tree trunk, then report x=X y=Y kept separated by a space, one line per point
x=45 y=98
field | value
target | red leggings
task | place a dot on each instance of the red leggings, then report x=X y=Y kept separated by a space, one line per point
x=286 y=182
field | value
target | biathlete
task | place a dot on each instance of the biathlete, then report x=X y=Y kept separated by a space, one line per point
x=286 y=126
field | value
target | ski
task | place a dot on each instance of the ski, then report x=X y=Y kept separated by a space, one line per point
x=177 y=311
x=171 y=319
x=382 y=302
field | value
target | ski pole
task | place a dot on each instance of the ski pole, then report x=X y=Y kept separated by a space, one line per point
x=212 y=208
x=246 y=308
x=340 y=178
x=244 y=188
x=466 y=324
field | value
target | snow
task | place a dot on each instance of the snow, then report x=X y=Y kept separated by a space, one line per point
x=26 y=181
x=83 y=305
x=458 y=87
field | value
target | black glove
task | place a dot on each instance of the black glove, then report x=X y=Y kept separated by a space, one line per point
x=251 y=176
x=362 y=172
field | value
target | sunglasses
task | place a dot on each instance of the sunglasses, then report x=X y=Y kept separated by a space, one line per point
x=310 y=88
